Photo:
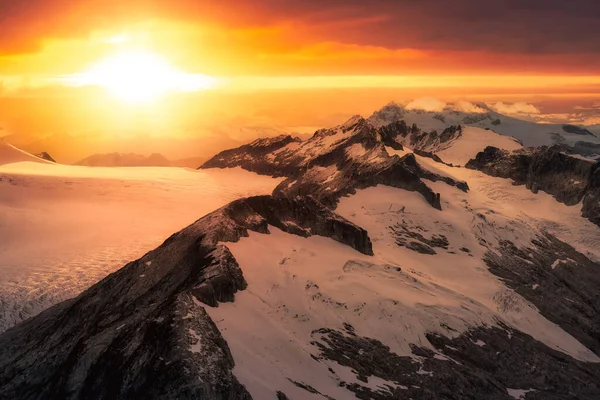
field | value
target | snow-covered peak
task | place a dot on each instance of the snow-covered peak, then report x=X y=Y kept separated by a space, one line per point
x=352 y=121
x=389 y=113
x=430 y=117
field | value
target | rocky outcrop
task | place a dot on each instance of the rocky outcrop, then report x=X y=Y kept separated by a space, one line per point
x=399 y=133
x=415 y=241
x=336 y=162
x=255 y=157
x=569 y=179
x=143 y=331
x=576 y=130
x=431 y=155
x=45 y=156
x=485 y=362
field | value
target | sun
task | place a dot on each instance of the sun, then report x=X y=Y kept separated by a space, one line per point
x=142 y=76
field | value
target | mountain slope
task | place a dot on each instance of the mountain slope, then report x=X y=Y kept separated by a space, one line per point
x=10 y=154
x=148 y=315
x=374 y=271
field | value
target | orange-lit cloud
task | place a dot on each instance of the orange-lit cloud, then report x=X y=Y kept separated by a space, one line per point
x=311 y=37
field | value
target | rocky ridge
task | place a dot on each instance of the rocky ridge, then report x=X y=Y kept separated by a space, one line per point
x=348 y=157
x=569 y=179
x=143 y=330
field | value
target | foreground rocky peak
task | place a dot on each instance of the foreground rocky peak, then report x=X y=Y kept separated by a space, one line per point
x=143 y=331
x=569 y=179
x=335 y=162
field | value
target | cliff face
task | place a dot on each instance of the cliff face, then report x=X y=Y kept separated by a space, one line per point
x=569 y=179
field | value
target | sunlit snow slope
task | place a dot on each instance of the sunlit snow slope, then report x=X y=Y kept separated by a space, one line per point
x=63 y=228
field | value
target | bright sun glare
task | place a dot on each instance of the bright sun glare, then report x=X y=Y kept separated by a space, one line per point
x=140 y=76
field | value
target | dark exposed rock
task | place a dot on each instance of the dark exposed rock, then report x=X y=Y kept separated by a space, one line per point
x=143 y=331
x=419 y=247
x=411 y=162
x=496 y=122
x=301 y=216
x=569 y=179
x=585 y=148
x=481 y=363
x=576 y=130
x=309 y=389
x=253 y=157
x=45 y=156
x=390 y=132
x=417 y=242
x=336 y=162
x=281 y=395
x=431 y=155
x=561 y=282
x=428 y=141
x=477 y=117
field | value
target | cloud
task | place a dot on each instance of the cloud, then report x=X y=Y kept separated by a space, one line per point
x=592 y=121
x=468 y=107
x=509 y=26
x=590 y=107
x=519 y=108
x=426 y=104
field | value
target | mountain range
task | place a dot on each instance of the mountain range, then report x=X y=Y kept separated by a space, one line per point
x=405 y=255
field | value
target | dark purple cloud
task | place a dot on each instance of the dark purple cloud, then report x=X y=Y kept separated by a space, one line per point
x=502 y=26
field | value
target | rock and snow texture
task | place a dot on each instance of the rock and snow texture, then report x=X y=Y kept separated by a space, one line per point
x=350 y=281
x=579 y=140
x=335 y=162
x=143 y=330
x=569 y=179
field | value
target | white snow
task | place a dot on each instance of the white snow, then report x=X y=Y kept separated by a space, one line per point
x=297 y=285
x=63 y=228
x=474 y=140
x=529 y=133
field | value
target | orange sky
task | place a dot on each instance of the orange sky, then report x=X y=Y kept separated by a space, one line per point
x=450 y=49
x=310 y=37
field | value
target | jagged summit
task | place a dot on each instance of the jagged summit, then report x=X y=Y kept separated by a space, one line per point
x=335 y=162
